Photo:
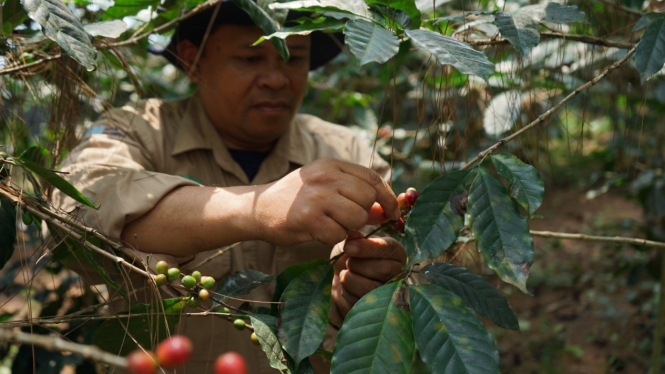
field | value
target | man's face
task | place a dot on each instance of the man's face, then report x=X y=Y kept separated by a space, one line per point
x=250 y=93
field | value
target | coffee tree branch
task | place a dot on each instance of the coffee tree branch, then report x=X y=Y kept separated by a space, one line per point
x=53 y=343
x=587 y=238
x=553 y=110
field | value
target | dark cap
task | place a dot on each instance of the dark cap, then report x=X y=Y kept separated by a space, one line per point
x=325 y=46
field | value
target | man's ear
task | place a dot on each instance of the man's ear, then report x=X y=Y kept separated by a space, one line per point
x=187 y=52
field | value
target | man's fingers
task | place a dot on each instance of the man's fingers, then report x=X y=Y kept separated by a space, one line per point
x=344 y=300
x=347 y=213
x=384 y=194
x=377 y=269
x=357 y=285
x=376 y=215
x=383 y=248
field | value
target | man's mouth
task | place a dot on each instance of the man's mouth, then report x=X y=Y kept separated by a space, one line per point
x=272 y=106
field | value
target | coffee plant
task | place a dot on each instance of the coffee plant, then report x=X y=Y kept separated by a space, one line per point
x=424 y=320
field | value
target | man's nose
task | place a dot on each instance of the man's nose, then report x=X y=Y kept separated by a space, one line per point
x=274 y=77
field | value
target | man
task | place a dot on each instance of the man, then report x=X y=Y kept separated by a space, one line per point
x=287 y=186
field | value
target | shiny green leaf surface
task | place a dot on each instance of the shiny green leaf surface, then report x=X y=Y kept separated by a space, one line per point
x=56 y=181
x=262 y=19
x=304 y=311
x=376 y=336
x=520 y=30
x=449 y=336
x=241 y=283
x=433 y=225
x=474 y=291
x=450 y=51
x=526 y=185
x=370 y=42
x=501 y=232
x=407 y=6
x=265 y=328
x=61 y=25
x=650 y=53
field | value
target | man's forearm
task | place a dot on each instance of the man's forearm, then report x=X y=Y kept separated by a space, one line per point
x=191 y=219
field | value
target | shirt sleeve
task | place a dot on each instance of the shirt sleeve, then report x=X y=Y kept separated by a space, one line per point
x=116 y=170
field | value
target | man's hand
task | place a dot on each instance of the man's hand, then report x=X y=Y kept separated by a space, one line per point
x=325 y=201
x=365 y=265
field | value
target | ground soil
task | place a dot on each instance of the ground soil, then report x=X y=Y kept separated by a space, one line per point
x=593 y=305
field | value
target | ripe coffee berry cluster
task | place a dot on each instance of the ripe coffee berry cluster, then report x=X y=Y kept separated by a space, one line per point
x=176 y=351
x=170 y=353
x=197 y=284
x=405 y=200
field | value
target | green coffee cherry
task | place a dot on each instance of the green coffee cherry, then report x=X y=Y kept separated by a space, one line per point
x=188 y=281
x=197 y=275
x=204 y=295
x=173 y=274
x=224 y=310
x=207 y=282
x=193 y=302
x=162 y=267
x=239 y=324
x=255 y=339
x=160 y=279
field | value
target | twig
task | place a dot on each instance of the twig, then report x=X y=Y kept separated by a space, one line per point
x=587 y=238
x=41 y=61
x=85 y=229
x=546 y=115
x=53 y=343
x=72 y=318
x=215 y=255
x=623 y=8
x=556 y=35
x=57 y=223
x=167 y=26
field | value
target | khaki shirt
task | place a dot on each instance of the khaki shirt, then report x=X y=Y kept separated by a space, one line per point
x=148 y=149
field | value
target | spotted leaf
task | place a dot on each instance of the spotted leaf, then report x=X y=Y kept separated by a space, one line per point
x=474 y=291
x=433 y=225
x=304 y=311
x=501 y=232
x=449 y=336
x=376 y=336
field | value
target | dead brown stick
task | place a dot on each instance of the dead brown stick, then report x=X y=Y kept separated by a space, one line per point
x=53 y=343
x=587 y=238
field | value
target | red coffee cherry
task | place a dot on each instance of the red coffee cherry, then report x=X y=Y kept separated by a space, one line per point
x=140 y=362
x=174 y=351
x=230 y=363
x=411 y=196
x=398 y=225
x=401 y=201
